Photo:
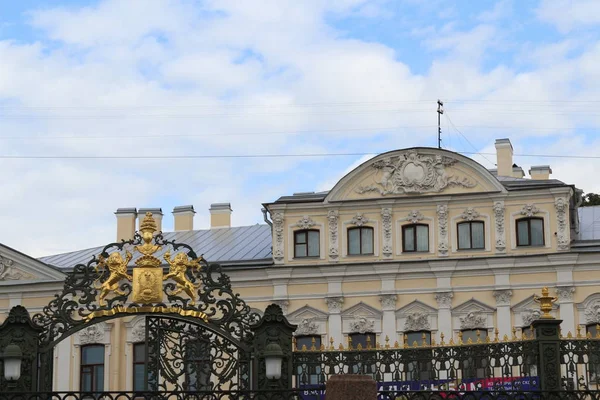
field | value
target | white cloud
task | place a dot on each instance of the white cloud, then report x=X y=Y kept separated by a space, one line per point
x=568 y=15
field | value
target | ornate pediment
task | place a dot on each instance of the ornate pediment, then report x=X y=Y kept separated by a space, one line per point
x=362 y=310
x=362 y=325
x=473 y=321
x=306 y=312
x=8 y=272
x=417 y=322
x=307 y=327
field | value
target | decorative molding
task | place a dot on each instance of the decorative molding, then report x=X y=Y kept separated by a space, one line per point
x=442 y=214
x=359 y=219
x=414 y=216
x=562 y=235
x=529 y=210
x=9 y=273
x=412 y=172
x=499 y=219
x=473 y=321
x=565 y=294
x=93 y=334
x=334 y=304
x=333 y=217
x=284 y=304
x=305 y=222
x=417 y=322
x=388 y=302
x=592 y=314
x=470 y=214
x=503 y=297
x=278 y=251
x=138 y=331
x=362 y=325
x=444 y=299
x=307 y=327
x=386 y=224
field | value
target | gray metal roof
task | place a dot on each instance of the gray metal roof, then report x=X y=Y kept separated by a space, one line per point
x=237 y=245
x=589 y=223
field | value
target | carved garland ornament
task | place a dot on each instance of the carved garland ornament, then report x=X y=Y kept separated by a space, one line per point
x=470 y=214
x=417 y=322
x=278 y=234
x=359 y=220
x=92 y=334
x=562 y=206
x=565 y=293
x=9 y=273
x=499 y=217
x=414 y=173
x=334 y=304
x=503 y=297
x=592 y=314
x=444 y=299
x=386 y=222
x=414 y=216
x=305 y=222
x=307 y=327
x=332 y=217
x=529 y=210
x=442 y=213
x=530 y=315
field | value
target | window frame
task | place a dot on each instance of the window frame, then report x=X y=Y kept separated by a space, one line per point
x=82 y=365
x=470 y=223
x=306 y=233
x=134 y=363
x=528 y=220
x=427 y=333
x=404 y=227
x=360 y=230
x=318 y=341
x=372 y=335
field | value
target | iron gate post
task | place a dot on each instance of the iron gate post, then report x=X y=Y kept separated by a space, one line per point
x=18 y=329
x=273 y=328
x=547 y=336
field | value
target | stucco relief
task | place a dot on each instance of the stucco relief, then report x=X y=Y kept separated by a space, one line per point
x=307 y=327
x=417 y=322
x=278 y=234
x=359 y=219
x=592 y=314
x=362 y=325
x=529 y=210
x=412 y=172
x=92 y=334
x=414 y=216
x=332 y=218
x=388 y=302
x=530 y=315
x=562 y=235
x=442 y=214
x=444 y=299
x=470 y=214
x=499 y=219
x=138 y=331
x=9 y=273
x=386 y=223
x=305 y=222
x=473 y=321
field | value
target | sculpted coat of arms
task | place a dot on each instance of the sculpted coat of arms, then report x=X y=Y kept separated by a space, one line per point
x=414 y=173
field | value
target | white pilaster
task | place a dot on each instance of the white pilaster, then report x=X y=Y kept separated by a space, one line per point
x=334 y=321
x=503 y=324
x=63 y=365
x=566 y=307
x=444 y=300
x=388 y=323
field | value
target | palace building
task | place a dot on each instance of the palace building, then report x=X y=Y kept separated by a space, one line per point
x=411 y=244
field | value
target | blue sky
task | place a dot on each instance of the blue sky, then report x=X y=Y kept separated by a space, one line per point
x=169 y=77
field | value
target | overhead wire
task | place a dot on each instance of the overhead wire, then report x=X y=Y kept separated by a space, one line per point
x=468 y=141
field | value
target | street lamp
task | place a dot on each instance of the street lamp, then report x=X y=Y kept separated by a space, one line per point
x=273 y=360
x=12 y=357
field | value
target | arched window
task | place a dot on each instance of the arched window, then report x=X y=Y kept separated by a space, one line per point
x=92 y=368
x=593 y=330
x=415 y=237
x=530 y=232
x=306 y=243
x=360 y=241
x=139 y=363
x=471 y=235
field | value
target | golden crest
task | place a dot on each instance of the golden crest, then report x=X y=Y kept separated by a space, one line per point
x=147 y=285
x=178 y=266
x=117 y=268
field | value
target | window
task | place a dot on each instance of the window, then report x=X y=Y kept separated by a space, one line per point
x=418 y=336
x=366 y=340
x=92 y=368
x=360 y=241
x=415 y=238
x=197 y=365
x=309 y=341
x=471 y=235
x=139 y=364
x=592 y=329
x=474 y=334
x=306 y=243
x=530 y=232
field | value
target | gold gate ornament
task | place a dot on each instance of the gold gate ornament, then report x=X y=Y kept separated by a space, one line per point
x=148 y=274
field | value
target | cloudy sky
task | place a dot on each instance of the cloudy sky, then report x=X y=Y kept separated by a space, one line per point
x=94 y=93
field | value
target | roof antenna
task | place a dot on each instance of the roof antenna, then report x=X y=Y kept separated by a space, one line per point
x=440 y=111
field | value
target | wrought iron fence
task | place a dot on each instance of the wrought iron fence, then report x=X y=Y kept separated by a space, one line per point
x=497 y=395
x=580 y=361
x=291 y=394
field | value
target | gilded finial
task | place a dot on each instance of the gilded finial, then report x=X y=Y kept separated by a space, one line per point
x=442 y=339
x=405 y=338
x=322 y=347
x=294 y=343
x=514 y=334
x=451 y=342
x=460 y=338
x=396 y=345
x=478 y=333
x=569 y=335
x=545 y=301
x=505 y=338
x=597 y=331
x=304 y=348
x=341 y=347
x=424 y=339
x=496 y=334
x=331 y=341
x=579 y=336
x=313 y=343
x=369 y=347
x=387 y=342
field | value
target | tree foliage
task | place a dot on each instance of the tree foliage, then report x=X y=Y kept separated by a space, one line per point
x=591 y=199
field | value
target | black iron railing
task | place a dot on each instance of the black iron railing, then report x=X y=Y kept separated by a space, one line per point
x=290 y=394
